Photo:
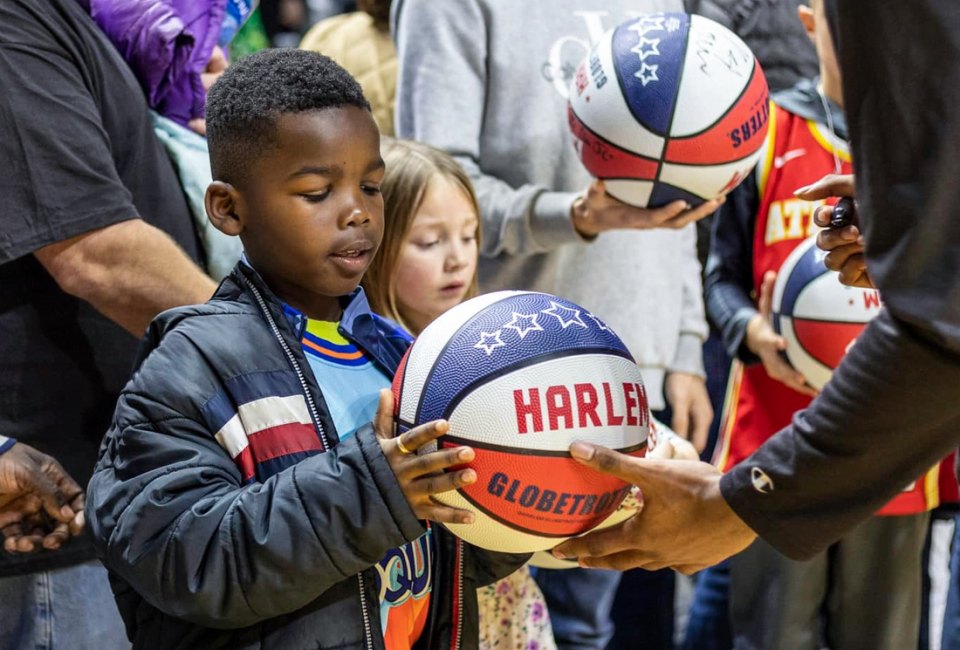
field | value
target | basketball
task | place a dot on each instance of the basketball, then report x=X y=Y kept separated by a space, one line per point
x=819 y=317
x=519 y=376
x=669 y=106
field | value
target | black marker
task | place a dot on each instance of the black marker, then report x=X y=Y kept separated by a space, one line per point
x=844 y=213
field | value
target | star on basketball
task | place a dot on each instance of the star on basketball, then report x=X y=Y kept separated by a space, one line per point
x=490 y=341
x=646 y=47
x=600 y=323
x=647 y=24
x=524 y=324
x=565 y=315
x=647 y=73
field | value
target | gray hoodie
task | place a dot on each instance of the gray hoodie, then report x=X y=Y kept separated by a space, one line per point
x=486 y=80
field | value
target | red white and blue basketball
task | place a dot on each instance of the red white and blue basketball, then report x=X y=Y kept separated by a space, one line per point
x=819 y=317
x=669 y=106
x=519 y=376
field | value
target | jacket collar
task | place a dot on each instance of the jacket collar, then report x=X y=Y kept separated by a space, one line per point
x=358 y=322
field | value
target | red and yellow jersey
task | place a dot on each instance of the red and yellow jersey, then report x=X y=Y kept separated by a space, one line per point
x=797 y=152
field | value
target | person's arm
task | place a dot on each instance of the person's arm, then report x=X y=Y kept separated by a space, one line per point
x=441 y=95
x=171 y=515
x=129 y=271
x=744 y=319
x=441 y=98
x=890 y=412
x=685 y=385
x=64 y=201
x=729 y=273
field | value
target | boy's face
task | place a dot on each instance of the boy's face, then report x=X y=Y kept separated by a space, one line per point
x=311 y=208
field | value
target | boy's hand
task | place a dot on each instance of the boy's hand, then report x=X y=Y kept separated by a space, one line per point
x=767 y=344
x=596 y=212
x=421 y=475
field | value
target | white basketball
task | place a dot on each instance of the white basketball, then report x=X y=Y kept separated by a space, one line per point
x=669 y=106
x=819 y=317
x=520 y=376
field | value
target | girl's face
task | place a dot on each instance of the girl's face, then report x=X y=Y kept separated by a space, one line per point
x=439 y=257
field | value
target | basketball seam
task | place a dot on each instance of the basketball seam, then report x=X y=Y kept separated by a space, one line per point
x=623 y=91
x=520 y=451
x=676 y=96
x=753 y=74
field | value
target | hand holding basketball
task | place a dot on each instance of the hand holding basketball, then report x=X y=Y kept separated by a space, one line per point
x=597 y=211
x=767 y=344
x=684 y=523
x=421 y=475
x=845 y=246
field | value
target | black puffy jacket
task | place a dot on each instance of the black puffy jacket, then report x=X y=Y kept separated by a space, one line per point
x=202 y=557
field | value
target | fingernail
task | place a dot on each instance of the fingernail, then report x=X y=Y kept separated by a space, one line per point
x=465 y=454
x=443 y=426
x=467 y=518
x=687 y=206
x=560 y=555
x=582 y=451
x=468 y=476
x=802 y=189
x=66 y=512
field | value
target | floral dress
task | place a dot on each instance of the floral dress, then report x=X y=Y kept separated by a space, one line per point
x=513 y=615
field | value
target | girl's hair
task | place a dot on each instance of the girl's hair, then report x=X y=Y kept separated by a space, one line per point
x=411 y=167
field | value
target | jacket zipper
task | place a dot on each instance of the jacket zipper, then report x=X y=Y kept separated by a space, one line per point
x=296 y=366
x=367 y=635
x=458 y=631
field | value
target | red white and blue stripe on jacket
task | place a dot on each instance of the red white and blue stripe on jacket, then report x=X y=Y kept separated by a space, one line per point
x=263 y=422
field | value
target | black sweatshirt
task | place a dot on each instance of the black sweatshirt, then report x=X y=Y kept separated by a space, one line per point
x=892 y=408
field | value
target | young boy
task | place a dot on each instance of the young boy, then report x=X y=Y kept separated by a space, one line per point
x=243 y=497
x=863 y=592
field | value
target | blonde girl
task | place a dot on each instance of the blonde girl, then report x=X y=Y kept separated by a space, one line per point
x=427 y=263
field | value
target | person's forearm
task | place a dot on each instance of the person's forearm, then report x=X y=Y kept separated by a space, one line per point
x=890 y=412
x=129 y=271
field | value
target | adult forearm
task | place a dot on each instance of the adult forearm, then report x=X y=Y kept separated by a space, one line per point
x=890 y=412
x=129 y=271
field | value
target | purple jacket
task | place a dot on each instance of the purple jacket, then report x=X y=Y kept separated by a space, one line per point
x=167 y=44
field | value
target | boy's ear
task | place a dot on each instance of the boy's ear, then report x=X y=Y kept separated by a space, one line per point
x=221 y=202
x=808 y=20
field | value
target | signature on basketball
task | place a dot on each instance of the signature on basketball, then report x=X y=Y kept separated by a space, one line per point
x=711 y=52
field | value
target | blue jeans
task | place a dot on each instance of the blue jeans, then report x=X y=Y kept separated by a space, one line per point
x=579 y=602
x=71 y=608
x=709 y=624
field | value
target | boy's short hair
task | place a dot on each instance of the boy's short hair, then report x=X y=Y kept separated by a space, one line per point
x=244 y=104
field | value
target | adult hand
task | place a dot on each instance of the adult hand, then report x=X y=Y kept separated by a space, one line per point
x=422 y=475
x=844 y=246
x=596 y=212
x=690 y=403
x=767 y=344
x=40 y=504
x=684 y=523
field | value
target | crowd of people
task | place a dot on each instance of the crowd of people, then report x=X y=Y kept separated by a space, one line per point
x=187 y=464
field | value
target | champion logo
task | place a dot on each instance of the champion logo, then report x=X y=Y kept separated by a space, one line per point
x=761 y=482
x=780 y=161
